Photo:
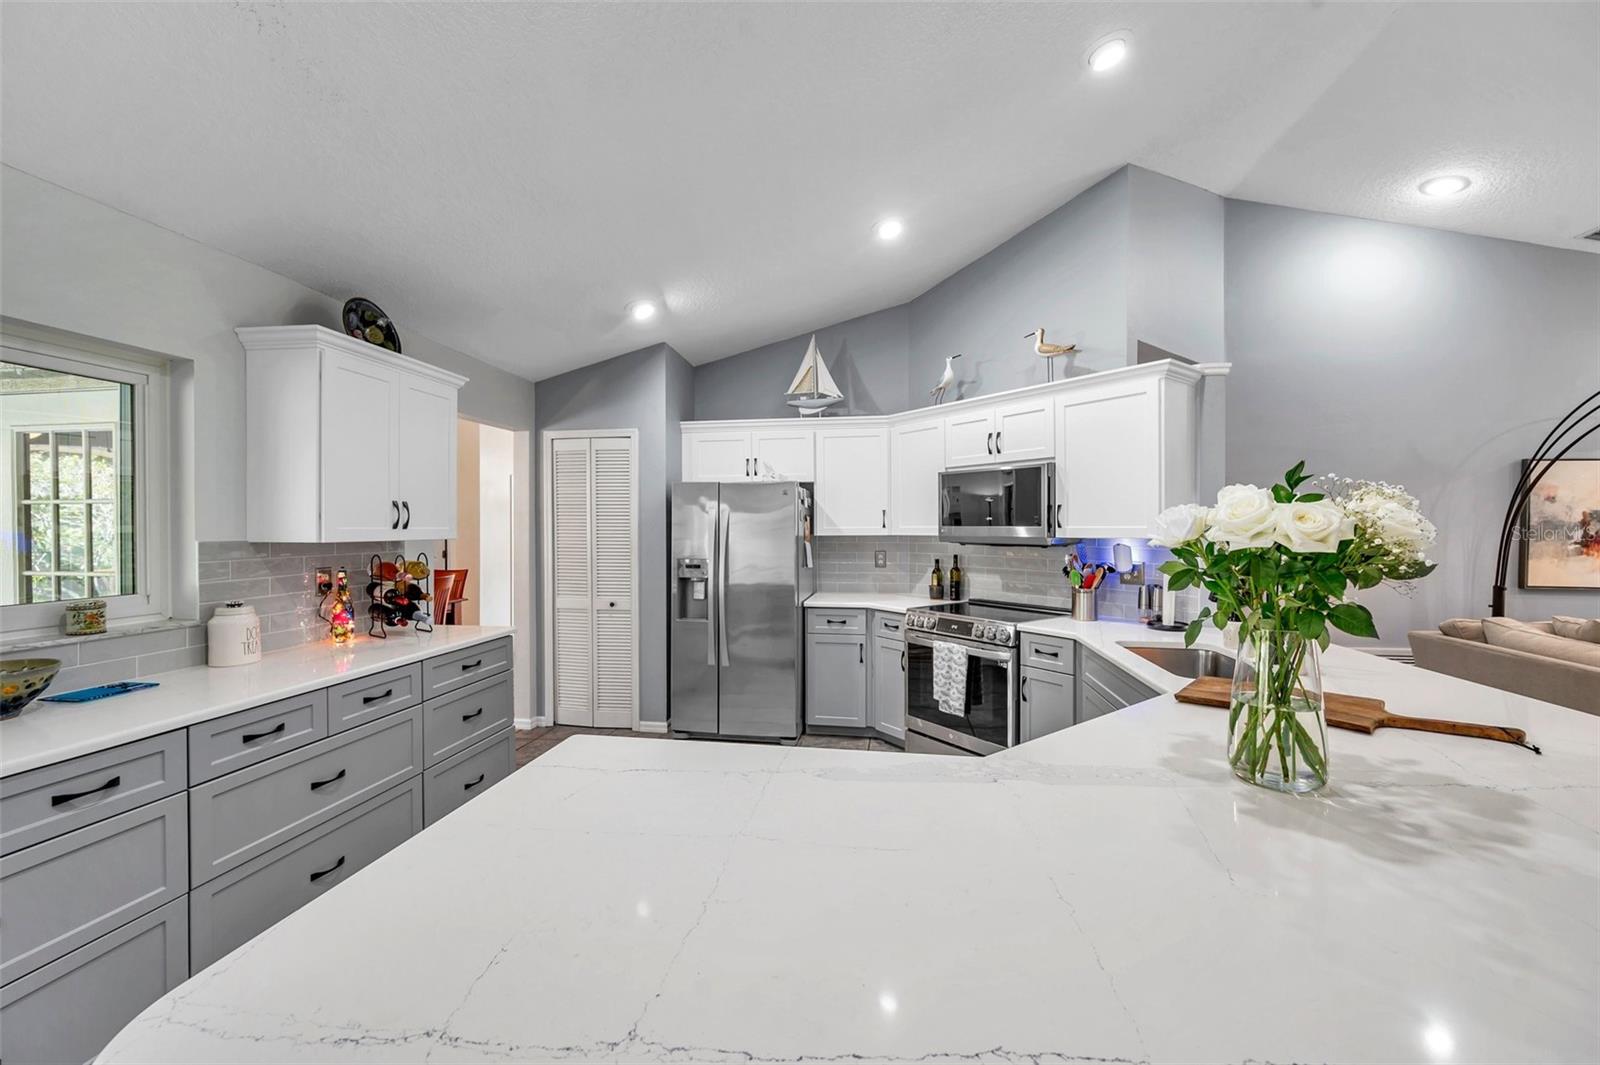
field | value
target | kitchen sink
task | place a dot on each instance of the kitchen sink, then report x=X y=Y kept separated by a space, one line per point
x=1184 y=661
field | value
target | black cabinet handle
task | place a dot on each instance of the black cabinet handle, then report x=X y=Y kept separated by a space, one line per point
x=747 y=467
x=395 y=524
x=407 y=505
x=369 y=699
x=861 y=653
x=834 y=621
x=57 y=800
x=902 y=661
x=315 y=784
x=330 y=869
x=1058 y=515
x=1046 y=654
x=886 y=519
x=891 y=626
x=1024 y=689
x=998 y=450
x=251 y=737
x=472 y=783
x=475 y=713
x=988 y=443
x=612 y=603
x=471 y=665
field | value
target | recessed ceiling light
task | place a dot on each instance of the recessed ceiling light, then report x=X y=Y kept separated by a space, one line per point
x=1444 y=186
x=889 y=229
x=1108 y=53
x=642 y=310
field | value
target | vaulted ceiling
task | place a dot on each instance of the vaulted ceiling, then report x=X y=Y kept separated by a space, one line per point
x=507 y=178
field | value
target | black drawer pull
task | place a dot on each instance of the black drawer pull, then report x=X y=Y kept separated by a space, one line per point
x=833 y=621
x=367 y=699
x=251 y=737
x=330 y=869
x=475 y=713
x=57 y=800
x=891 y=626
x=315 y=784
x=472 y=783
x=1046 y=654
x=471 y=665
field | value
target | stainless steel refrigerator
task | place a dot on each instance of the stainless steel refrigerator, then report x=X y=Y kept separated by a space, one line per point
x=740 y=572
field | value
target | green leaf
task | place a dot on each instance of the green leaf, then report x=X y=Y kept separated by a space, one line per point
x=1311 y=626
x=1368 y=578
x=1192 y=633
x=1330 y=582
x=1310 y=497
x=1282 y=494
x=1296 y=474
x=1172 y=566
x=1180 y=581
x=1354 y=619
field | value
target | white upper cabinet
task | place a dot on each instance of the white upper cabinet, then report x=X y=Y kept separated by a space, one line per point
x=1020 y=431
x=716 y=456
x=1125 y=450
x=1025 y=431
x=1126 y=443
x=969 y=438
x=852 y=481
x=347 y=441
x=784 y=453
x=916 y=458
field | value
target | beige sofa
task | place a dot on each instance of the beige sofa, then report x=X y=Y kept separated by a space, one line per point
x=1537 y=662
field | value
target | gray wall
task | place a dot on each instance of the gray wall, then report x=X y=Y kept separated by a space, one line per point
x=1431 y=359
x=867 y=356
x=1138 y=256
x=72 y=264
x=645 y=390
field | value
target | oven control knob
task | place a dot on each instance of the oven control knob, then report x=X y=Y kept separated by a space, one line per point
x=987 y=632
x=1004 y=636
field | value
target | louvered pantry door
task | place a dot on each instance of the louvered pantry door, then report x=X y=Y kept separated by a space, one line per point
x=593 y=523
x=615 y=656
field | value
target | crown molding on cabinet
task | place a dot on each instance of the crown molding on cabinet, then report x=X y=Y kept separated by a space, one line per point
x=269 y=337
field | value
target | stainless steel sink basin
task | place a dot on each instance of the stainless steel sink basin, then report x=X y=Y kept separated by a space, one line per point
x=1184 y=661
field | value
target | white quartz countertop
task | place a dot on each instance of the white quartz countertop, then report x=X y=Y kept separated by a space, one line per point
x=54 y=732
x=890 y=601
x=1105 y=893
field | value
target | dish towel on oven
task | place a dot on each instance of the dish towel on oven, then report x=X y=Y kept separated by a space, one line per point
x=950 y=678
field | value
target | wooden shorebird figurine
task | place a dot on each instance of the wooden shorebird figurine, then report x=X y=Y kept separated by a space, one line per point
x=1048 y=352
x=948 y=379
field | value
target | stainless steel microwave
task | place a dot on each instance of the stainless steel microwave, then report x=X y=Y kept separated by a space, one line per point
x=998 y=504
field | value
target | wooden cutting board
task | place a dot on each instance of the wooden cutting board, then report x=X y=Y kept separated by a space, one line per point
x=1361 y=714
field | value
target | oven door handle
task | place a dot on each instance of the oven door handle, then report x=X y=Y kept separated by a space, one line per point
x=992 y=654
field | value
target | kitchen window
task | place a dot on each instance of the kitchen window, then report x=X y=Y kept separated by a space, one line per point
x=81 y=488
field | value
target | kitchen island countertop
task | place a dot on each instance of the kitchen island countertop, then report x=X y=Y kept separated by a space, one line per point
x=1109 y=892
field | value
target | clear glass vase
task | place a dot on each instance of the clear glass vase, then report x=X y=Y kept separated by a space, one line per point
x=1277 y=731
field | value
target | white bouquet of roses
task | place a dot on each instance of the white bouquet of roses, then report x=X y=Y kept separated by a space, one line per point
x=1279 y=558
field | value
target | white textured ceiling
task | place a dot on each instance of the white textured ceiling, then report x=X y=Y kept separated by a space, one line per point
x=506 y=178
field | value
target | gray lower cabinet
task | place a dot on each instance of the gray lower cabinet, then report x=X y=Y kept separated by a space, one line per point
x=1047 y=701
x=245 y=814
x=446 y=673
x=355 y=702
x=66 y=892
x=887 y=711
x=836 y=680
x=456 y=722
x=226 y=744
x=45 y=802
x=241 y=903
x=1092 y=704
x=69 y=1010
x=456 y=781
x=1102 y=685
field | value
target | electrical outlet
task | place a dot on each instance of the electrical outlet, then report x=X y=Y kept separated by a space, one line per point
x=1134 y=574
x=880 y=559
x=324 y=578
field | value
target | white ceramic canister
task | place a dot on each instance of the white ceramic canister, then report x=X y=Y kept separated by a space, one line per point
x=233 y=636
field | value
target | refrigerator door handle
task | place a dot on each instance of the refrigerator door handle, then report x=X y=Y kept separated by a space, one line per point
x=713 y=603
x=724 y=519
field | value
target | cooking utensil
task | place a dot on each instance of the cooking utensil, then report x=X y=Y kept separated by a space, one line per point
x=1358 y=713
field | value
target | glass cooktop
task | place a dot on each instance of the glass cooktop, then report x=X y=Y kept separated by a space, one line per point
x=999 y=612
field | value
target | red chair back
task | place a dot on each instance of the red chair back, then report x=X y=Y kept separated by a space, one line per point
x=449 y=588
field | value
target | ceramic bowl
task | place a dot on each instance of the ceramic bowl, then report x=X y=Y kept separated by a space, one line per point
x=24 y=679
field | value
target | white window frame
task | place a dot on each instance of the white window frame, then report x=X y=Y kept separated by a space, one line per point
x=151 y=487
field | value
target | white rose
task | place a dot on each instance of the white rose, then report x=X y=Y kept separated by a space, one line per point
x=1403 y=526
x=1312 y=528
x=1180 y=524
x=1243 y=517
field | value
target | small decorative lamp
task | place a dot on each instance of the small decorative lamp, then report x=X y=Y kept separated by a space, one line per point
x=341 y=622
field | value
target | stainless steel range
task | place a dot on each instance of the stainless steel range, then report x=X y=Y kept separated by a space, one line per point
x=961 y=676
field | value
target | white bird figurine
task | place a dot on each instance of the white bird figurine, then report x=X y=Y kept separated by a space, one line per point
x=1048 y=352
x=948 y=379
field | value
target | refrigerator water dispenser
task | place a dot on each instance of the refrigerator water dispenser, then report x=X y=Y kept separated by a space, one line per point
x=693 y=590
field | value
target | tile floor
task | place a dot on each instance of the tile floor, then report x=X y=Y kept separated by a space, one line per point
x=533 y=742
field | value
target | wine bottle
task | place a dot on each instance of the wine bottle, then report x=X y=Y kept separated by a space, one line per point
x=936 y=582
x=955 y=577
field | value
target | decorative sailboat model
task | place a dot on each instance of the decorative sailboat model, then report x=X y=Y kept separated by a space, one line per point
x=812 y=389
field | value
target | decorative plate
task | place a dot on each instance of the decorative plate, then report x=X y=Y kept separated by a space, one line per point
x=365 y=320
